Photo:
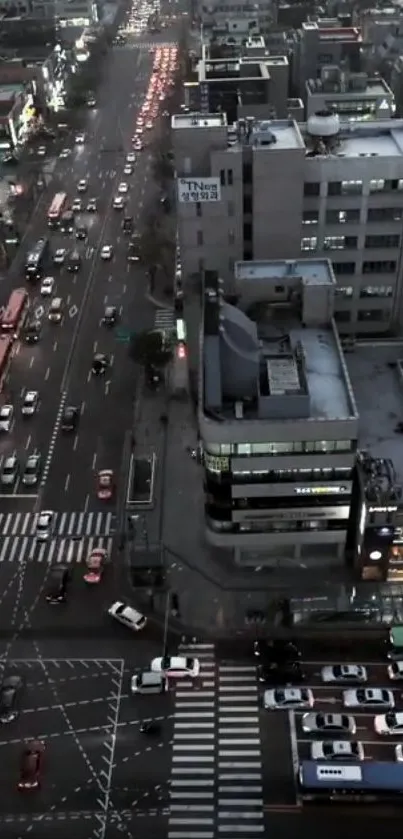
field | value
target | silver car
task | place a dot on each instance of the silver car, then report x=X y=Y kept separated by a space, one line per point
x=344 y=673
x=337 y=750
x=368 y=698
x=9 y=470
x=328 y=724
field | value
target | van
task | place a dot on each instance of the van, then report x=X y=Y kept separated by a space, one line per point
x=148 y=682
x=55 y=314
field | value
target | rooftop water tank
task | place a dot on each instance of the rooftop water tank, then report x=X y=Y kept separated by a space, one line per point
x=324 y=124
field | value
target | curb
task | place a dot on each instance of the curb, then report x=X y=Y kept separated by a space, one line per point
x=158 y=303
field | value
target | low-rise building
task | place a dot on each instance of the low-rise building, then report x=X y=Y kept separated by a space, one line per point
x=321 y=43
x=277 y=416
x=354 y=96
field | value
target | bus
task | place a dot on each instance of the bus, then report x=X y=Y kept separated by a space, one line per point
x=366 y=782
x=56 y=209
x=36 y=259
x=6 y=344
x=13 y=314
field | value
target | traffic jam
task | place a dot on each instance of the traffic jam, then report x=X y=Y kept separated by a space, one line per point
x=345 y=717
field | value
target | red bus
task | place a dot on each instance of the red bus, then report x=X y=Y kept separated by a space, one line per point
x=56 y=208
x=6 y=344
x=13 y=314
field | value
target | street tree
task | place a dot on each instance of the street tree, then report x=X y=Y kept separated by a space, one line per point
x=149 y=349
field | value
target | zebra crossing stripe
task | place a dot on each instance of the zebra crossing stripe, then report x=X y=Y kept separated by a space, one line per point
x=66 y=524
x=21 y=549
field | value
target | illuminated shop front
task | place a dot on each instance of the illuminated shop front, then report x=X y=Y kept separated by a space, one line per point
x=21 y=121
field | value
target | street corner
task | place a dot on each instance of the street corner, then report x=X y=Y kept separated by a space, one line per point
x=72 y=707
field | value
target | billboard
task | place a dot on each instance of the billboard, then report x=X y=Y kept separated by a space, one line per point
x=199 y=190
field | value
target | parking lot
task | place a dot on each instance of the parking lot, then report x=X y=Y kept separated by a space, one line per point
x=284 y=744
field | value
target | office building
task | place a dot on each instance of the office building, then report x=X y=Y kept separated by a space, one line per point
x=76 y=12
x=354 y=96
x=276 y=190
x=321 y=43
x=277 y=416
x=238 y=15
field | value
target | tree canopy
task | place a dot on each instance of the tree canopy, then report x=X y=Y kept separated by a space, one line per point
x=149 y=349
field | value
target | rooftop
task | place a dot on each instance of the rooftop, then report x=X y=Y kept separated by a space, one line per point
x=357 y=85
x=195 y=120
x=315 y=271
x=277 y=134
x=378 y=138
x=260 y=361
x=378 y=388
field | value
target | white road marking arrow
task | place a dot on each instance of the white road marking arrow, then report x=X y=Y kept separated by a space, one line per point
x=73 y=311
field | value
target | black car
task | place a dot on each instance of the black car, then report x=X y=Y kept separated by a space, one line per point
x=32 y=331
x=10 y=697
x=134 y=249
x=100 y=364
x=67 y=222
x=70 y=418
x=74 y=262
x=276 y=651
x=81 y=232
x=110 y=316
x=289 y=673
x=127 y=224
x=58 y=584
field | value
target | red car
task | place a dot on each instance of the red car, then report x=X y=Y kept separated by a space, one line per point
x=105 y=487
x=95 y=563
x=31 y=765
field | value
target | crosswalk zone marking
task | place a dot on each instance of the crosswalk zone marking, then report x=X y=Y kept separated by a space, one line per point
x=21 y=549
x=74 y=525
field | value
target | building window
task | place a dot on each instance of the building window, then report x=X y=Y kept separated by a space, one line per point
x=384 y=266
x=222 y=177
x=342 y=216
x=309 y=243
x=384 y=214
x=339 y=243
x=351 y=187
x=343 y=268
x=344 y=291
x=376 y=291
x=231 y=237
x=199 y=236
x=231 y=208
x=247 y=173
x=342 y=317
x=247 y=232
x=310 y=217
x=230 y=177
x=377 y=185
x=247 y=204
x=370 y=315
x=312 y=188
x=383 y=241
x=334 y=188
x=396 y=184
x=279 y=289
x=198 y=209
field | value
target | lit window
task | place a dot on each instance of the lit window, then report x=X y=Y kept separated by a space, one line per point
x=351 y=187
x=334 y=243
x=310 y=243
x=377 y=185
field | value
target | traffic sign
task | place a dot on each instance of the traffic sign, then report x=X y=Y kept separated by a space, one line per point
x=123 y=335
x=73 y=311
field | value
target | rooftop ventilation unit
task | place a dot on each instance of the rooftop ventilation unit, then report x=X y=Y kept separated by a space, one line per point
x=324 y=125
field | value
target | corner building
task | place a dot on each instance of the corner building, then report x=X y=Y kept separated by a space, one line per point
x=277 y=416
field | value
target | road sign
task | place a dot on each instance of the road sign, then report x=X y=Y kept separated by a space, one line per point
x=39 y=312
x=73 y=311
x=123 y=335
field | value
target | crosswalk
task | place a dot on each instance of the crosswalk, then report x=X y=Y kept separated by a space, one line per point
x=216 y=787
x=72 y=525
x=26 y=549
x=164 y=319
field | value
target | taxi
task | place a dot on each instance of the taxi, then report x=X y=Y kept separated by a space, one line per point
x=105 y=485
x=95 y=564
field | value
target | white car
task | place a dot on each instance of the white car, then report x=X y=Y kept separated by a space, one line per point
x=390 y=723
x=395 y=671
x=59 y=256
x=339 y=750
x=41 y=151
x=127 y=616
x=368 y=698
x=399 y=753
x=284 y=699
x=9 y=470
x=6 y=417
x=82 y=185
x=118 y=202
x=47 y=286
x=130 y=157
x=128 y=169
x=149 y=125
x=65 y=153
x=106 y=252
x=138 y=145
x=123 y=188
x=77 y=205
x=344 y=673
x=44 y=525
x=176 y=666
x=30 y=403
x=80 y=138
